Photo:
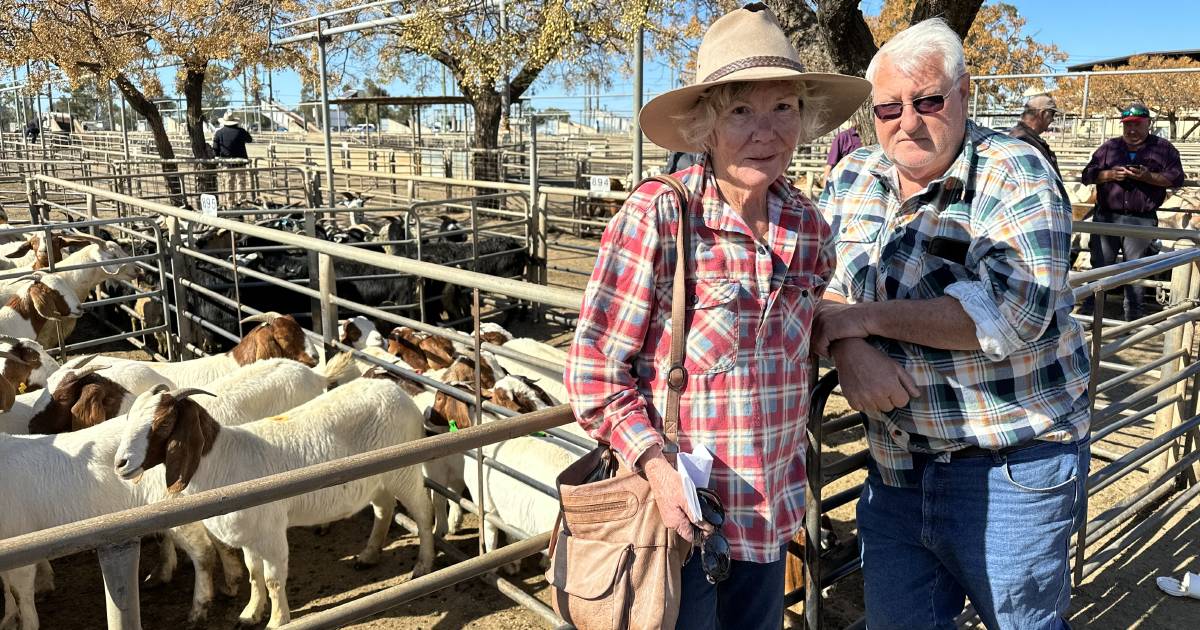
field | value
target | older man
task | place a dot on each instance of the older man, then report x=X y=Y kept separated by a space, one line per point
x=1039 y=113
x=1132 y=173
x=948 y=318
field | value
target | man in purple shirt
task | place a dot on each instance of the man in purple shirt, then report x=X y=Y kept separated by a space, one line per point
x=843 y=144
x=1132 y=174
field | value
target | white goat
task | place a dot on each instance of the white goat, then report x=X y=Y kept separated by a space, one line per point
x=541 y=458
x=276 y=334
x=34 y=367
x=549 y=380
x=359 y=333
x=80 y=489
x=40 y=298
x=199 y=454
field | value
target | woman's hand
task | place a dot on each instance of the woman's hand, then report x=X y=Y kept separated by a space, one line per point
x=668 y=494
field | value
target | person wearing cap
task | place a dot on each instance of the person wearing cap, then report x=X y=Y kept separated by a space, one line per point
x=759 y=259
x=1039 y=113
x=1132 y=173
x=948 y=319
x=230 y=142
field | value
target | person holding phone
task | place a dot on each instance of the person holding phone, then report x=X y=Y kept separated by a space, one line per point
x=1132 y=173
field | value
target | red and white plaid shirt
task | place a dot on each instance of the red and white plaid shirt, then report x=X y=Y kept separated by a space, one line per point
x=750 y=312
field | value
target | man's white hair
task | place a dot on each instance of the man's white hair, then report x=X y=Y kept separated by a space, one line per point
x=914 y=48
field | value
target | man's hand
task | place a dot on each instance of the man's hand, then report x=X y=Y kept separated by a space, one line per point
x=1117 y=174
x=837 y=321
x=870 y=380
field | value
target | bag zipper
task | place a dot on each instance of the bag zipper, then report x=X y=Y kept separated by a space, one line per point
x=595 y=507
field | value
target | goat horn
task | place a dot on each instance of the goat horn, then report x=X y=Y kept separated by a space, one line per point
x=180 y=394
x=266 y=318
x=12 y=357
x=85 y=360
x=87 y=237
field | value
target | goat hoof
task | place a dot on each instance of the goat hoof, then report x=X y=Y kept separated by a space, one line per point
x=363 y=565
x=229 y=588
x=197 y=617
x=246 y=622
x=420 y=570
x=511 y=568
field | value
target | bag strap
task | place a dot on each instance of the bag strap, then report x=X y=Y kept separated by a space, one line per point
x=677 y=374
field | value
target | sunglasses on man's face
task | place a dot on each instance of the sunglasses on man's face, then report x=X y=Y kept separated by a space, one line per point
x=924 y=106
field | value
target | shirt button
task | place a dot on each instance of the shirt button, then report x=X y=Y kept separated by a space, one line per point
x=899 y=229
x=762 y=250
x=803 y=292
x=897 y=432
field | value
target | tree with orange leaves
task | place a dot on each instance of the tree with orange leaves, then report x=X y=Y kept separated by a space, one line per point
x=1169 y=95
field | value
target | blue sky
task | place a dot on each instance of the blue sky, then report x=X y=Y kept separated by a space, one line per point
x=1086 y=30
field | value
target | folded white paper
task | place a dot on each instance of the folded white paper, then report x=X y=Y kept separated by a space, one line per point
x=694 y=469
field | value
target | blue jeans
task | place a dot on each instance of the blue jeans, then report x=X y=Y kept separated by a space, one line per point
x=994 y=529
x=1104 y=251
x=751 y=598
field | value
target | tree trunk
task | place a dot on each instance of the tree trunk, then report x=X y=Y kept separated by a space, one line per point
x=959 y=14
x=485 y=141
x=162 y=143
x=193 y=92
x=1173 y=119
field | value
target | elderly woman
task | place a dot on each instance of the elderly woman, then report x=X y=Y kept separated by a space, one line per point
x=759 y=258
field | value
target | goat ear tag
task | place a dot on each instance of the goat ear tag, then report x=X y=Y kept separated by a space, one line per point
x=453 y=426
x=22 y=387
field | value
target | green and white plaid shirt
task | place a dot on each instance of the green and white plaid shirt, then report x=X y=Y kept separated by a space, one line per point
x=1000 y=199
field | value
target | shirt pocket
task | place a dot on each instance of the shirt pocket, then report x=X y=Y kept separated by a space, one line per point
x=855 y=243
x=797 y=305
x=712 y=320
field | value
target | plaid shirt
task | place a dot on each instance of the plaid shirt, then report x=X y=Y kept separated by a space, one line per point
x=750 y=312
x=1002 y=201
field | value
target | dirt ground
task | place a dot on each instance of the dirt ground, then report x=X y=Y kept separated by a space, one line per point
x=1121 y=595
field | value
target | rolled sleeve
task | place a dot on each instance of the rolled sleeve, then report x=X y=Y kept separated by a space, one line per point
x=996 y=336
x=613 y=323
x=1023 y=271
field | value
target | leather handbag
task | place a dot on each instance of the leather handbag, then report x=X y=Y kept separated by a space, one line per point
x=613 y=564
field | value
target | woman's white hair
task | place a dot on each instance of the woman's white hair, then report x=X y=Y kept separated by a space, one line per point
x=912 y=50
x=700 y=122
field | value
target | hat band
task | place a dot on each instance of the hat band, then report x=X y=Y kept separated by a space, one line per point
x=754 y=62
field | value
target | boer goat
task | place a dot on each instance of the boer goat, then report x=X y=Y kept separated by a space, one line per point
x=199 y=454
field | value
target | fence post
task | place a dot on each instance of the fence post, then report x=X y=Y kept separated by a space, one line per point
x=31 y=191
x=119 y=564
x=392 y=170
x=329 y=310
x=90 y=201
x=178 y=267
x=1175 y=339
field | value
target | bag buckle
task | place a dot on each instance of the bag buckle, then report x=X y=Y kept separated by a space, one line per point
x=677 y=378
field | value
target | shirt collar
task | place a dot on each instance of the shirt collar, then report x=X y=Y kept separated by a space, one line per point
x=718 y=215
x=954 y=180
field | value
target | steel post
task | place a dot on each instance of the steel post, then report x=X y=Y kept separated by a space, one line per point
x=119 y=564
x=328 y=135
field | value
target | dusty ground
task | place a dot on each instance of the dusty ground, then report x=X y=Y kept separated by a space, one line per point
x=1121 y=595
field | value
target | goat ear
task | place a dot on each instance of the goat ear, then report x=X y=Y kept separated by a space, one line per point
x=189 y=442
x=47 y=302
x=25 y=248
x=91 y=408
x=8 y=394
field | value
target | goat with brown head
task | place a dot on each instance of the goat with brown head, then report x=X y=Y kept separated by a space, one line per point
x=520 y=394
x=82 y=399
x=403 y=345
x=41 y=298
x=18 y=361
x=450 y=412
x=463 y=370
x=166 y=427
x=276 y=337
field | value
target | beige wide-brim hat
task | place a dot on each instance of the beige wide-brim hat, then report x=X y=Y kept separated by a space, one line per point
x=747 y=45
x=230 y=121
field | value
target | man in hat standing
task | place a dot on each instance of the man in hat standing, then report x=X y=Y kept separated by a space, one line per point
x=1039 y=113
x=1132 y=173
x=229 y=142
x=948 y=317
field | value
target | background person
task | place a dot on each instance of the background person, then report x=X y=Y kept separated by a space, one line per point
x=1132 y=173
x=843 y=144
x=760 y=257
x=949 y=321
x=1040 y=112
x=230 y=142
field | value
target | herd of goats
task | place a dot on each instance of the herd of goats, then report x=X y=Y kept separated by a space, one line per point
x=98 y=434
